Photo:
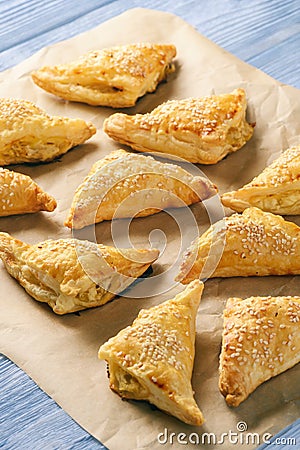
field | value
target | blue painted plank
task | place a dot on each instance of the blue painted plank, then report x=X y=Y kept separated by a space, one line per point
x=31 y=420
x=286 y=439
x=258 y=32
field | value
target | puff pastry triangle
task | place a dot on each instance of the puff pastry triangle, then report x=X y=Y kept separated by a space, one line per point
x=153 y=358
x=276 y=189
x=28 y=134
x=200 y=130
x=261 y=339
x=115 y=76
x=255 y=243
x=19 y=194
x=127 y=185
x=72 y=275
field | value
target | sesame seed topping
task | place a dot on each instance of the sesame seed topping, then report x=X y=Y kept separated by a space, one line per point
x=12 y=111
x=17 y=190
x=138 y=60
x=281 y=170
x=154 y=343
x=204 y=116
x=278 y=314
x=258 y=236
x=100 y=186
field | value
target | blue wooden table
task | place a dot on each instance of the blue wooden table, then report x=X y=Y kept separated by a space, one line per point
x=263 y=33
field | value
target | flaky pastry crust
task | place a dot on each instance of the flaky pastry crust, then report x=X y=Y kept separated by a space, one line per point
x=114 y=77
x=276 y=189
x=124 y=184
x=153 y=358
x=19 y=194
x=200 y=130
x=71 y=275
x=255 y=243
x=261 y=339
x=28 y=134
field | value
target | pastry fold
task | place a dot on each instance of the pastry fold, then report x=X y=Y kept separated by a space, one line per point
x=29 y=135
x=153 y=358
x=131 y=185
x=200 y=130
x=254 y=243
x=71 y=275
x=114 y=77
x=261 y=339
x=276 y=189
x=19 y=194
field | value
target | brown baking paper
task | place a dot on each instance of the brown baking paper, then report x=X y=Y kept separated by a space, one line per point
x=60 y=352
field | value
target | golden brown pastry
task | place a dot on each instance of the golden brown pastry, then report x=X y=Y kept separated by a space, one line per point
x=153 y=358
x=254 y=243
x=115 y=76
x=261 y=339
x=28 y=134
x=19 y=194
x=70 y=274
x=126 y=185
x=200 y=130
x=276 y=189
